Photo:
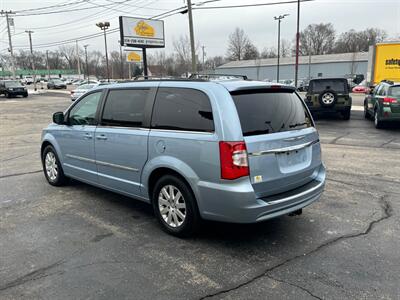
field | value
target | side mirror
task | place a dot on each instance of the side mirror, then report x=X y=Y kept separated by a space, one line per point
x=58 y=118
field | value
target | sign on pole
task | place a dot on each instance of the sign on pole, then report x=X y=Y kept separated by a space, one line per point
x=141 y=33
x=134 y=56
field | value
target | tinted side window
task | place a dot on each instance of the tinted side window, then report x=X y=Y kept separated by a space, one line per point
x=182 y=109
x=125 y=108
x=84 y=112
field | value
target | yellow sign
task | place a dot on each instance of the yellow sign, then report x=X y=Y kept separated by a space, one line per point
x=133 y=56
x=387 y=62
x=144 y=29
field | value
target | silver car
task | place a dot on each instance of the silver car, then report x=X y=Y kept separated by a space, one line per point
x=80 y=90
x=234 y=151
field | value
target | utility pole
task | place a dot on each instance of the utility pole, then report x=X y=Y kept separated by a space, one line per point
x=191 y=33
x=279 y=43
x=86 y=62
x=9 y=41
x=296 y=72
x=77 y=58
x=29 y=32
x=204 y=54
x=47 y=65
x=121 y=61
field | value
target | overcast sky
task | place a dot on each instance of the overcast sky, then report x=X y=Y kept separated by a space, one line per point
x=212 y=27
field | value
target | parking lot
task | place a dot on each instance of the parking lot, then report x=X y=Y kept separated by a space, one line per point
x=81 y=242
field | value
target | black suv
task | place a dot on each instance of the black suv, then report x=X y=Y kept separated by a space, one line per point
x=12 y=88
x=329 y=95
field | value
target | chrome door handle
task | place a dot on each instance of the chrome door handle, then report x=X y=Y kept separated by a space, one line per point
x=88 y=136
x=101 y=137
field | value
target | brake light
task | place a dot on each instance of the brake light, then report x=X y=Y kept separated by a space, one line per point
x=233 y=159
x=275 y=86
x=388 y=100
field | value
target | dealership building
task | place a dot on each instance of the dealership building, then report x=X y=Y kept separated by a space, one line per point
x=329 y=65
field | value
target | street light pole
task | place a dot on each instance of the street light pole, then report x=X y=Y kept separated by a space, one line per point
x=279 y=42
x=86 y=62
x=10 y=41
x=104 y=26
x=29 y=32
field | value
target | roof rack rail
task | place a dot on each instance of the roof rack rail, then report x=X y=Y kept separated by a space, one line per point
x=217 y=76
x=388 y=81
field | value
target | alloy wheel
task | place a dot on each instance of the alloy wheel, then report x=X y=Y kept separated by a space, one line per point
x=172 y=206
x=51 y=166
x=328 y=98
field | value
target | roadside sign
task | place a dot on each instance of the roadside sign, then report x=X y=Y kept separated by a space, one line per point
x=134 y=56
x=141 y=33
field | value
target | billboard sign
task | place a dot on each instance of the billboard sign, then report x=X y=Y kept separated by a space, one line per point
x=134 y=56
x=142 y=33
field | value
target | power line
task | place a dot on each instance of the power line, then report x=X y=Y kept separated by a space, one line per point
x=53 y=6
x=250 y=5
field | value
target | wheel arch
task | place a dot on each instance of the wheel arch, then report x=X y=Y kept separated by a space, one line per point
x=47 y=140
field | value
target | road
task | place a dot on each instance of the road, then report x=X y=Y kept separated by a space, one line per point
x=80 y=242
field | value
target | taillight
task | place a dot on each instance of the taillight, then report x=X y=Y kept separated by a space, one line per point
x=233 y=157
x=388 y=100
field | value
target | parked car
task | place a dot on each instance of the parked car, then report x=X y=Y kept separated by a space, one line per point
x=80 y=90
x=27 y=80
x=232 y=151
x=361 y=88
x=12 y=88
x=383 y=103
x=329 y=95
x=303 y=86
x=56 y=84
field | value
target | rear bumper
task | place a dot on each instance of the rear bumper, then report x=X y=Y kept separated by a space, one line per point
x=336 y=108
x=237 y=202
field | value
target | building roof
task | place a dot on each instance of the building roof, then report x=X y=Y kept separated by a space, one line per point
x=315 y=59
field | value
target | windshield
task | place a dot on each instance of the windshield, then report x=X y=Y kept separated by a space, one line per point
x=57 y=81
x=394 y=91
x=270 y=111
x=318 y=86
x=12 y=83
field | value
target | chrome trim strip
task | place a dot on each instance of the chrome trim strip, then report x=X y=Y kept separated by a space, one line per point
x=80 y=158
x=284 y=149
x=106 y=164
x=183 y=131
x=296 y=138
x=102 y=163
x=297 y=195
x=124 y=127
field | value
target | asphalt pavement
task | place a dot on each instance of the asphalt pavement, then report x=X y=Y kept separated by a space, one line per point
x=81 y=242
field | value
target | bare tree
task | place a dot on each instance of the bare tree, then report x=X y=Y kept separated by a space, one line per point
x=269 y=53
x=68 y=52
x=286 y=48
x=317 y=39
x=236 y=44
x=355 y=41
x=183 y=53
x=250 y=51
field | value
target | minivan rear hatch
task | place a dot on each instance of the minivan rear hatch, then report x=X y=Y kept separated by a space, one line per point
x=282 y=142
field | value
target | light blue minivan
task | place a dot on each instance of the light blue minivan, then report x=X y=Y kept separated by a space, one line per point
x=233 y=151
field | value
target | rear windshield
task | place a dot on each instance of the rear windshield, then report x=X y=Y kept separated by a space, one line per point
x=394 y=91
x=328 y=84
x=269 y=112
x=12 y=83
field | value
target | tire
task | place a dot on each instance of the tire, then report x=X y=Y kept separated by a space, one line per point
x=8 y=95
x=25 y=95
x=366 y=112
x=377 y=122
x=346 y=114
x=187 y=221
x=51 y=162
x=327 y=98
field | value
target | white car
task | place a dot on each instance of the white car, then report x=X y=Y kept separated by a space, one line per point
x=82 y=89
x=27 y=80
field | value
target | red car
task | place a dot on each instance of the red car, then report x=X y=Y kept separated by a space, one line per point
x=360 y=89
